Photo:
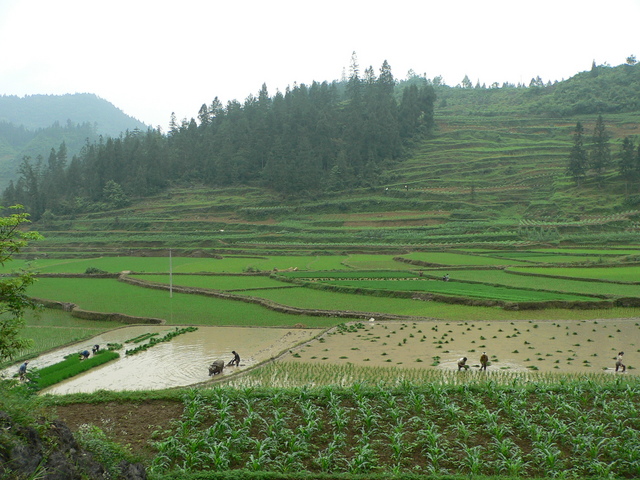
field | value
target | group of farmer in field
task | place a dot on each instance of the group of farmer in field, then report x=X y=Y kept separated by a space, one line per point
x=484 y=362
x=218 y=365
x=22 y=370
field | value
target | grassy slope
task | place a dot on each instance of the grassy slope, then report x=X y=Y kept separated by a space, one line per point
x=479 y=180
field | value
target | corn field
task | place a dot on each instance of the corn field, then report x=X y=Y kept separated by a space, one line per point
x=565 y=427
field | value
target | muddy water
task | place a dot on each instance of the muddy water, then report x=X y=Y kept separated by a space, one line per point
x=518 y=346
x=181 y=362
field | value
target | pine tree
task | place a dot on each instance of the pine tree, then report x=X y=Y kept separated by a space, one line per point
x=627 y=162
x=600 y=149
x=578 y=161
x=627 y=159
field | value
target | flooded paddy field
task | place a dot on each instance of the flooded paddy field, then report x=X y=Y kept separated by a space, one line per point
x=588 y=346
x=181 y=362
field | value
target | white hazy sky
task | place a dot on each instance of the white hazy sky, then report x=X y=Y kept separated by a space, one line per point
x=153 y=57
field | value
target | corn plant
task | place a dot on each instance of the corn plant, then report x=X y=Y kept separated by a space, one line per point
x=473 y=460
x=364 y=457
x=261 y=458
x=218 y=455
x=329 y=460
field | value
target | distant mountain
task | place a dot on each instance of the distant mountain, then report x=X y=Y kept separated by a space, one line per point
x=41 y=111
x=33 y=125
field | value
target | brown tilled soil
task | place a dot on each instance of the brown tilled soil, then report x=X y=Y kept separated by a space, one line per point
x=130 y=424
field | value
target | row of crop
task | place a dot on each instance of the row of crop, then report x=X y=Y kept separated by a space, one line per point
x=465 y=289
x=71 y=366
x=141 y=338
x=495 y=296
x=154 y=341
x=534 y=281
x=576 y=429
x=350 y=274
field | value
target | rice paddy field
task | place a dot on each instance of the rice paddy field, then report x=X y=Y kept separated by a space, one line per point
x=628 y=274
x=366 y=397
x=324 y=284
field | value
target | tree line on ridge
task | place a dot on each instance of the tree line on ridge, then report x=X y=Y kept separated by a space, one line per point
x=321 y=137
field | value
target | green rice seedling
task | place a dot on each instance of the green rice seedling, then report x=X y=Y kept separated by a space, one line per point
x=69 y=367
x=141 y=338
x=166 y=338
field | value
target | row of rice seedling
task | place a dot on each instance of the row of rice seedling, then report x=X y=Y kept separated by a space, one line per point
x=215 y=282
x=141 y=338
x=444 y=258
x=287 y=374
x=615 y=274
x=523 y=428
x=154 y=341
x=613 y=250
x=351 y=274
x=460 y=289
x=375 y=262
x=556 y=258
x=504 y=277
x=328 y=300
x=71 y=366
x=50 y=329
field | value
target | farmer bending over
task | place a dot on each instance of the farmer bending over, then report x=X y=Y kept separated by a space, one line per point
x=22 y=371
x=235 y=361
x=84 y=355
x=462 y=363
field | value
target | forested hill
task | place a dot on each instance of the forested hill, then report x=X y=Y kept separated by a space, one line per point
x=599 y=90
x=308 y=139
x=31 y=126
x=35 y=112
x=368 y=132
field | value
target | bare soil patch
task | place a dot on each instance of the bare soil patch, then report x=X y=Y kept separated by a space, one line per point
x=130 y=424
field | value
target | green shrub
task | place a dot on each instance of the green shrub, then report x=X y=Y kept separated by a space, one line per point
x=109 y=453
x=94 y=271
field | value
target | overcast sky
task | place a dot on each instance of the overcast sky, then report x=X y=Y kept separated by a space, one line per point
x=153 y=57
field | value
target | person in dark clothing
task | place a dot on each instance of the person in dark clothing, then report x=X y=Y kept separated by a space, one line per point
x=84 y=355
x=22 y=371
x=619 y=364
x=95 y=349
x=462 y=364
x=484 y=360
x=235 y=361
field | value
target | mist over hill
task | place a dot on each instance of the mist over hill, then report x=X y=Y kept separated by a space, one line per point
x=31 y=126
x=35 y=112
